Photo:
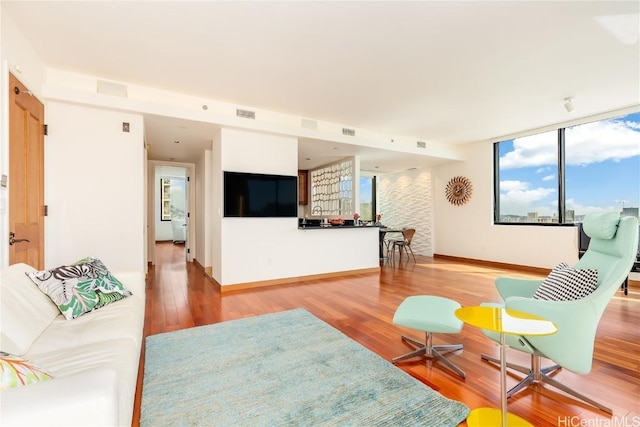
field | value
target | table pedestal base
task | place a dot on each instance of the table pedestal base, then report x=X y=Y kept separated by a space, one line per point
x=489 y=417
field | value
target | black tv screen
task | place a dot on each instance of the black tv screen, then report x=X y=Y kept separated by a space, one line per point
x=260 y=195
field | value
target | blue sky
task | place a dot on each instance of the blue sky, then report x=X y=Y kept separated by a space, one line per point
x=365 y=190
x=602 y=169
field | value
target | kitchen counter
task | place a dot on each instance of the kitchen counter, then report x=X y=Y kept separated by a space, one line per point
x=332 y=227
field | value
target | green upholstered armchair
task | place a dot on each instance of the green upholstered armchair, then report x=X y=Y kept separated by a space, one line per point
x=612 y=250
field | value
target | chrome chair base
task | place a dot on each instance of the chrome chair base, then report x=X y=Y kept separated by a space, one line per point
x=536 y=374
x=430 y=351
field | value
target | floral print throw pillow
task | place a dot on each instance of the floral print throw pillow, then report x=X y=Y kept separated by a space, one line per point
x=81 y=287
x=16 y=372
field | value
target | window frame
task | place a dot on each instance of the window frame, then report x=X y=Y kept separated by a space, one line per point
x=374 y=197
x=561 y=173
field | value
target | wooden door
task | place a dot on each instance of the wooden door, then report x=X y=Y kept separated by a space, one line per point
x=26 y=176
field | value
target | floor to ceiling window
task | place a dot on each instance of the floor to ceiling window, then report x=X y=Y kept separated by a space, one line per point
x=367 y=198
x=558 y=177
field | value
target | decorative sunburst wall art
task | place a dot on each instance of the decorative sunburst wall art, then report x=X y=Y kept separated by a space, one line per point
x=459 y=190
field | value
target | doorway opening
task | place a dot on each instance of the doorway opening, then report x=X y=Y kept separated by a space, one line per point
x=171 y=210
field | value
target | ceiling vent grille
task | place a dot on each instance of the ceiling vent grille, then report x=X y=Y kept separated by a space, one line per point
x=421 y=144
x=347 y=131
x=309 y=124
x=111 y=88
x=245 y=114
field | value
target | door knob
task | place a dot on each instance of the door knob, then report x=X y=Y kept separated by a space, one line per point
x=12 y=239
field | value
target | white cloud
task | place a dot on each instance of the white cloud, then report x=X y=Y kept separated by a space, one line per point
x=583 y=210
x=585 y=144
x=549 y=178
x=508 y=185
x=535 y=150
x=600 y=141
x=516 y=198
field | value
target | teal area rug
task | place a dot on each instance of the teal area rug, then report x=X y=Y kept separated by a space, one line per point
x=281 y=369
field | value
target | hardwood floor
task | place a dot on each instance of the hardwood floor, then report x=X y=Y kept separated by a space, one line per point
x=362 y=307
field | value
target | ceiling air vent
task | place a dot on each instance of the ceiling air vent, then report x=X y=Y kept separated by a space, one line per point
x=350 y=132
x=111 y=88
x=309 y=124
x=245 y=114
x=421 y=144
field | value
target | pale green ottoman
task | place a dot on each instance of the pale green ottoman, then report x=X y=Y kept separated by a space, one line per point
x=430 y=314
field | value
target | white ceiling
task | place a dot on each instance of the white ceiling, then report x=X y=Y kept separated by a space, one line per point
x=451 y=71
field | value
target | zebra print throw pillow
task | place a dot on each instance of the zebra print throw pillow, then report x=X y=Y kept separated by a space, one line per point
x=566 y=283
x=81 y=287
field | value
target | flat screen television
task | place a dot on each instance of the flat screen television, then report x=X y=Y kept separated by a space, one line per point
x=260 y=195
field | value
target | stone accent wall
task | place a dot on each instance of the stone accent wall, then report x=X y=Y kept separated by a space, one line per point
x=405 y=200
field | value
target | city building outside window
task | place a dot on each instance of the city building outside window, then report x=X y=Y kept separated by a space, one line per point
x=560 y=176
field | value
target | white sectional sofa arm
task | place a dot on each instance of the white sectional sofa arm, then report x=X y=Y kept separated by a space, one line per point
x=88 y=398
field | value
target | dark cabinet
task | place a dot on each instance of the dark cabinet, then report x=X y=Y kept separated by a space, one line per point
x=303 y=187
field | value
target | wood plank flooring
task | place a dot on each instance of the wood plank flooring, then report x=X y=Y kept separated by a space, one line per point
x=362 y=306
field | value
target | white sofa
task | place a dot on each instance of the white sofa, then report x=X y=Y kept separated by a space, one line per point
x=93 y=359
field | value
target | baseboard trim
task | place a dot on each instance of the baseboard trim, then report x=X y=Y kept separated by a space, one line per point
x=207 y=271
x=494 y=264
x=289 y=280
x=535 y=270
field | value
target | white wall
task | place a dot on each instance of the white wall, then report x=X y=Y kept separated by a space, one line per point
x=259 y=249
x=468 y=231
x=17 y=56
x=94 y=187
x=203 y=209
x=405 y=200
x=254 y=242
x=215 y=220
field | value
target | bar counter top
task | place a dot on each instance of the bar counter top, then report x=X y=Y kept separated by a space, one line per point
x=333 y=227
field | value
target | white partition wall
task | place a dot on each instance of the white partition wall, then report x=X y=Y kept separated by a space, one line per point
x=203 y=216
x=94 y=174
x=248 y=245
x=248 y=250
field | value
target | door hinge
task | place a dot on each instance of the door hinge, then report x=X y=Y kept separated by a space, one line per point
x=45 y=211
x=188 y=251
x=188 y=179
x=45 y=129
x=188 y=214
